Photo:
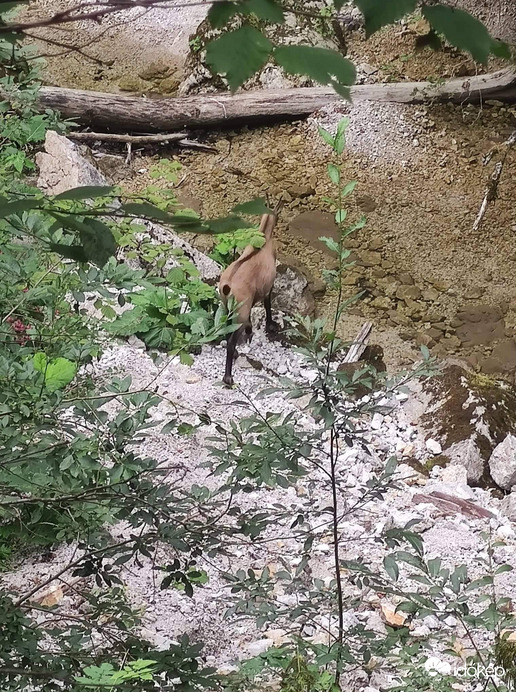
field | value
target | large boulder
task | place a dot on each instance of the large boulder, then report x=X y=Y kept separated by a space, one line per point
x=502 y=463
x=291 y=293
x=64 y=165
x=473 y=416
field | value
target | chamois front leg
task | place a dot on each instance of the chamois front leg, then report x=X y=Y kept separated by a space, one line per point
x=230 y=357
x=271 y=327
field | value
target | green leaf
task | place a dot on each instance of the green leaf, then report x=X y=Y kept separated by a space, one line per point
x=461 y=30
x=391 y=567
x=58 y=372
x=378 y=13
x=257 y=206
x=321 y=64
x=86 y=192
x=98 y=242
x=238 y=54
x=73 y=252
x=334 y=173
x=340 y=137
x=330 y=243
x=220 y=13
x=504 y=568
x=17 y=207
x=264 y=9
x=227 y=224
x=348 y=189
x=500 y=49
x=326 y=136
x=146 y=210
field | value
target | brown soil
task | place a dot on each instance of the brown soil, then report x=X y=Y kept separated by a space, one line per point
x=417 y=260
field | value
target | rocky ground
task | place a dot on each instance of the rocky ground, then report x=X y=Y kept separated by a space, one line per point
x=454 y=436
x=426 y=277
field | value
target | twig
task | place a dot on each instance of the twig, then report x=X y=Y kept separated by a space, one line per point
x=128 y=139
x=492 y=186
x=180 y=138
x=191 y=144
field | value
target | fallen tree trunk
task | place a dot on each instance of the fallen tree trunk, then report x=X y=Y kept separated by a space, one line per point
x=140 y=114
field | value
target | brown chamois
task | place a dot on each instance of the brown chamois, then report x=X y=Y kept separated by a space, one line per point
x=249 y=280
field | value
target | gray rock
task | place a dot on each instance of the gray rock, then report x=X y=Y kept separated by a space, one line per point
x=502 y=463
x=62 y=166
x=291 y=293
x=469 y=415
x=508 y=506
x=468 y=455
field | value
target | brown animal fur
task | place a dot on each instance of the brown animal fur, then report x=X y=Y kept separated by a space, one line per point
x=249 y=280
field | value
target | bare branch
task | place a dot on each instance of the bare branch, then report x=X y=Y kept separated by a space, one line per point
x=492 y=186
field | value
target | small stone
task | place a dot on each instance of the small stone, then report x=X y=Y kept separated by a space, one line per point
x=382 y=303
x=421 y=632
x=405 y=278
x=441 y=286
x=155 y=70
x=508 y=506
x=131 y=83
x=366 y=203
x=259 y=647
x=430 y=295
x=391 y=617
x=376 y=244
x=301 y=191
x=474 y=293
x=370 y=259
x=408 y=292
x=377 y=421
x=398 y=317
x=433 y=446
x=170 y=85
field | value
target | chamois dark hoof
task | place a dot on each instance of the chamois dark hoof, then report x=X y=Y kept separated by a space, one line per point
x=272 y=328
x=228 y=380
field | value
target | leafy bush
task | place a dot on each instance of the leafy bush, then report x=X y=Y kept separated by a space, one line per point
x=229 y=245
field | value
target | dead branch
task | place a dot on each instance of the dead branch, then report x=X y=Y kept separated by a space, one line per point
x=133 y=139
x=492 y=187
x=137 y=114
x=359 y=344
x=179 y=138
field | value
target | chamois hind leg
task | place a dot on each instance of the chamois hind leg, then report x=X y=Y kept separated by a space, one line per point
x=270 y=325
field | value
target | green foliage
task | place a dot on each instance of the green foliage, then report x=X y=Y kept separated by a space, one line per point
x=378 y=14
x=166 y=169
x=238 y=55
x=320 y=64
x=241 y=52
x=221 y=12
x=57 y=372
x=105 y=676
x=228 y=245
x=177 y=316
x=461 y=30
